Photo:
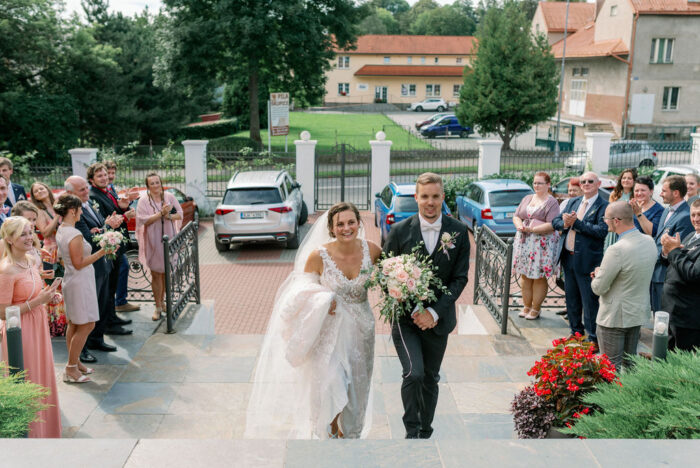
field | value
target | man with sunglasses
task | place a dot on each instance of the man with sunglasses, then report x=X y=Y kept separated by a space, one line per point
x=583 y=232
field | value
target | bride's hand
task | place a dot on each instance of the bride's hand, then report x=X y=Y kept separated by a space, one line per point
x=331 y=311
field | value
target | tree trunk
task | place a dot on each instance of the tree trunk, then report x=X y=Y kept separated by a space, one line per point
x=507 y=136
x=253 y=103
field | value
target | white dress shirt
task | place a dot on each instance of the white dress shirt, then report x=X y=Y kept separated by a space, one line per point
x=11 y=194
x=431 y=235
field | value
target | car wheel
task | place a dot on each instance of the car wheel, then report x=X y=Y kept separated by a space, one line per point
x=293 y=243
x=430 y=135
x=304 y=215
x=464 y=134
x=220 y=247
x=647 y=163
x=419 y=109
x=440 y=109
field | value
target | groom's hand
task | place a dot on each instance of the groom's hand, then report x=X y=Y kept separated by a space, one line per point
x=424 y=320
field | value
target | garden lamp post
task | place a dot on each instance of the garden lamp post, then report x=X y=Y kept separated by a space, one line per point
x=659 y=344
x=15 y=358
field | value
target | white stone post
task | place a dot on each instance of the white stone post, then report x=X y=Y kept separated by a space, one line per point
x=81 y=158
x=381 y=163
x=598 y=149
x=489 y=157
x=305 y=168
x=196 y=173
x=695 y=158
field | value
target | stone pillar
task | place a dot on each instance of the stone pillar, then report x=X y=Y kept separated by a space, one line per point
x=695 y=158
x=598 y=149
x=381 y=163
x=196 y=173
x=489 y=157
x=305 y=168
x=81 y=158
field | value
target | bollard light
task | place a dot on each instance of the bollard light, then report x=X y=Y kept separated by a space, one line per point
x=13 y=326
x=659 y=345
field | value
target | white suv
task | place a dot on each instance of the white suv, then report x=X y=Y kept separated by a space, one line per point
x=260 y=206
x=430 y=104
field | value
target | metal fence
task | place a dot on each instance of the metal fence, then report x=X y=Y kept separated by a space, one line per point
x=223 y=163
x=343 y=174
x=131 y=172
x=533 y=160
x=408 y=164
x=53 y=176
x=181 y=254
x=493 y=273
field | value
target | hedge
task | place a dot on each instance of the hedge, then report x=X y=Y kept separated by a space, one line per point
x=218 y=128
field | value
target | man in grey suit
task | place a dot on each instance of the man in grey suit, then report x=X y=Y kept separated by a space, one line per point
x=622 y=282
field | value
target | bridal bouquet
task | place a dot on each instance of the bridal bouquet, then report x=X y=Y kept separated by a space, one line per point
x=406 y=281
x=110 y=241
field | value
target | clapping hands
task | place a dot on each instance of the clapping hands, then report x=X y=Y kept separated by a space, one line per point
x=569 y=219
x=114 y=220
x=669 y=243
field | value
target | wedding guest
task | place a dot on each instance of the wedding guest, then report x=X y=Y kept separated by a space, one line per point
x=157 y=214
x=691 y=182
x=647 y=212
x=29 y=212
x=22 y=286
x=4 y=209
x=574 y=190
x=15 y=192
x=624 y=190
x=622 y=281
x=47 y=222
x=535 y=246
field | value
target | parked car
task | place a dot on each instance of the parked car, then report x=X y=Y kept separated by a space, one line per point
x=431 y=119
x=623 y=154
x=561 y=189
x=395 y=203
x=492 y=203
x=446 y=126
x=260 y=206
x=662 y=172
x=436 y=104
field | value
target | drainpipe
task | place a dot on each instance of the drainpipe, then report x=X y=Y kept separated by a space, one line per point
x=629 y=75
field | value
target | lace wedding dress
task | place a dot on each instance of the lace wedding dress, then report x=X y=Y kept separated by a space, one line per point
x=313 y=365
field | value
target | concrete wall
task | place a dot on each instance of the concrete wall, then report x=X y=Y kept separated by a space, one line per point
x=615 y=27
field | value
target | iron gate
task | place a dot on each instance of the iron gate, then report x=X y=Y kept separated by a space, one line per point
x=343 y=174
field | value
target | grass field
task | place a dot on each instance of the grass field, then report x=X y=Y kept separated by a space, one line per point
x=331 y=129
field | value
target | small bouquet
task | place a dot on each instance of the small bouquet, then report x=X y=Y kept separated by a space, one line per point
x=406 y=281
x=110 y=241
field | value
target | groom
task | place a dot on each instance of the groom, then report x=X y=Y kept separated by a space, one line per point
x=421 y=339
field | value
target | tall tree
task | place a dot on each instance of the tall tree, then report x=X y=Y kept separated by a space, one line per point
x=380 y=21
x=513 y=83
x=444 y=21
x=292 y=41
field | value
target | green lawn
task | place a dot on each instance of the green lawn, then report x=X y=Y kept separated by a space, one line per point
x=331 y=129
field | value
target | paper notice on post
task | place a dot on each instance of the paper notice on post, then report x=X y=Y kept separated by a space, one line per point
x=279 y=114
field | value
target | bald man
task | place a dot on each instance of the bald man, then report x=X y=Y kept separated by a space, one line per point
x=622 y=282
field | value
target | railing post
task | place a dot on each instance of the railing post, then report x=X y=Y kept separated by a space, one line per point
x=81 y=158
x=196 y=172
x=195 y=248
x=477 y=236
x=505 y=301
x=381 y=165
x=305 y=168
x=489 y=157
x=598 y=148
x=695 y=158
x=168 y=285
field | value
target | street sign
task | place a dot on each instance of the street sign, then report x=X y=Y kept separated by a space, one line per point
x=279 y=114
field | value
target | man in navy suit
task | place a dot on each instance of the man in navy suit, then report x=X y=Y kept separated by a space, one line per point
x=583 y=232
x=4 y=210
x=15 y=192
x=674 y=220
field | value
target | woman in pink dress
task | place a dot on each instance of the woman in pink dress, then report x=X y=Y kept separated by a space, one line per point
x=157 y=214
x=22 y=286
x=47 y=221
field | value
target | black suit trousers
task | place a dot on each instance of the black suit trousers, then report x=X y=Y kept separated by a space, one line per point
x=102 y=289
x=420 y=353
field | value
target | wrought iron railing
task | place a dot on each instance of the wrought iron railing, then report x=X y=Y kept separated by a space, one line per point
x=343 y=174
x=494 y=258
x=181 y=254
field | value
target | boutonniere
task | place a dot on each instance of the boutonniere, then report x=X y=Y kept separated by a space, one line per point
x=95 y=205
x=447 y=242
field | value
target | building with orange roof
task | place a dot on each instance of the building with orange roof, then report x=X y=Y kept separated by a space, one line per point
x=550 y=18
x=636 y=66
x=399 y=69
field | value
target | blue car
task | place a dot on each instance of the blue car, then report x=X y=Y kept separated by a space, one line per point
x=445 y=127
x=395 y=203
x=492 y=203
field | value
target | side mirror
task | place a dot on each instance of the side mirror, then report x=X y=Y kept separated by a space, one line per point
x=189 y=199
x=296 y=185
x=377 y=195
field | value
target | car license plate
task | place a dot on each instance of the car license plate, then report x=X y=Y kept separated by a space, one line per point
x=252 y=215
x=509 y=215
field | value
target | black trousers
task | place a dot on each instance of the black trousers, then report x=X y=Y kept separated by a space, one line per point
x=113 y=285
x=102 y=288
x=687 y=339
x=420 y=353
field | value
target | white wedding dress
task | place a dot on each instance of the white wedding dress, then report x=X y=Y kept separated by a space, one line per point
x=314 y=365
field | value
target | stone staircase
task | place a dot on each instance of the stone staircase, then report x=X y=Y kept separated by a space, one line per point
x=601 y=127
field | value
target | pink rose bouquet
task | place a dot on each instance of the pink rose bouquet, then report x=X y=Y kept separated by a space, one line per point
x=110 y=241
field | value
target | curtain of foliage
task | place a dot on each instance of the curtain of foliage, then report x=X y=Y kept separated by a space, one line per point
x=287 y=44
x=380 y=21
x=513 y=83
x=444 y=21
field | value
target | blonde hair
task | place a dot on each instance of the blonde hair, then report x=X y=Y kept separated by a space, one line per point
x=11 y=229
x=429 y=178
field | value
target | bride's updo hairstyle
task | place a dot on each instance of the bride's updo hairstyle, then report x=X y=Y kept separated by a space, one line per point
x=65 y=203
x=339 y=208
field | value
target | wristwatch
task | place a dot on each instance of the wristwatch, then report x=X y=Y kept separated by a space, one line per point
x=640 y=215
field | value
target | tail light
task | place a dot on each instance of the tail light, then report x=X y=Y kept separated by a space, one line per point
x=653 y=153
x=224 y=211
x=390 y=219
x=486 y=214
x=281 y=209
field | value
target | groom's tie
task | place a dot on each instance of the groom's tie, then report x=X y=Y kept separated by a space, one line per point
x=430 y=233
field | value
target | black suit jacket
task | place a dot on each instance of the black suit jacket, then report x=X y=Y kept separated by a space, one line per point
x=84 y=225
x=590 y=235
x=682 y=286
x=19 y=192
x=452 y=270
x=107 y=207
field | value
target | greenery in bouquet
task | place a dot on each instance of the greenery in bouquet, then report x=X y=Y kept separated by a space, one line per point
x=110 y=241
x=20 y=401
x=405 y=281
x=566 y=373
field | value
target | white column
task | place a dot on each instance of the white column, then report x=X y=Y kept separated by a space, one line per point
x=598 y=149
x=196 y=173
x=81 y=158
x=305 y=168
x=695 y=158
x=381 y=163
x=489 y=157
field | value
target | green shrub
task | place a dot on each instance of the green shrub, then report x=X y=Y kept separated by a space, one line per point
x=656 y=400
x=20 y=401
x=219 y=128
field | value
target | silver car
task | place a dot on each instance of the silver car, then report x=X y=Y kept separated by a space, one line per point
x=623 y=154
x=260 y=206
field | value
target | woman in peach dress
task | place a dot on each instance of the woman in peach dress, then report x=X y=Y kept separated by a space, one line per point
x=22 y=286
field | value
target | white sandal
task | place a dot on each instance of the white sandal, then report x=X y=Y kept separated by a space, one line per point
x=82 y=379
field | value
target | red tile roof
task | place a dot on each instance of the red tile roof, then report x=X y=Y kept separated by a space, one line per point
x=666 y=7
x=582 y=44
x=554 y=14
x=409 y=70
x=413 y=45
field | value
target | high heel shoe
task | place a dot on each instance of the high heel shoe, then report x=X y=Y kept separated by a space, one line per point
x=533 y=315
x=525 y=312
x=157 y=314
x=68 y=379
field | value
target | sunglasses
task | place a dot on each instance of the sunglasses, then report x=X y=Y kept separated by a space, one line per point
x=587 y=181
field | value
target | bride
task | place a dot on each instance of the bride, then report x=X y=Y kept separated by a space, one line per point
x=313 y=376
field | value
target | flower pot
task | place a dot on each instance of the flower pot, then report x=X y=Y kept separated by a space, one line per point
x=555 y=433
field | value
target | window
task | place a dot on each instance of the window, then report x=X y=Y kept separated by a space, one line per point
x=409 y=60
x=408 y=90
x=436 y=60
x=661 y=51
x=613 y=10
x=580 y=71
x=387 y=195
x=670 y=100
x=344 y=61
x=507 y=197
x=254 y=196
x=288 y=185
x=343 y=89
x=576 y=71
x=405 y=204
x=422 y=60
x=432 y=90
x=455 y=90
x=387 y=59
x=584 y=71
x=459 y=59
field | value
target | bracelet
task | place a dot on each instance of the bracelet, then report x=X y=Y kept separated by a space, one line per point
x=29 y=308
